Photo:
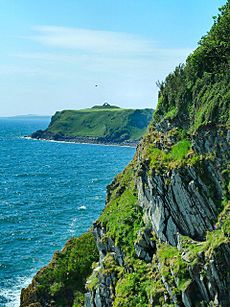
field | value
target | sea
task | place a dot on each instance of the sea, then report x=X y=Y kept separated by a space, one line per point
x=49 y=192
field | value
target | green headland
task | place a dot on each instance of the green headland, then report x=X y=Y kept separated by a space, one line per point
x=99 y=124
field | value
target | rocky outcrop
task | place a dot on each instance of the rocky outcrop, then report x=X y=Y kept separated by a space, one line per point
x=180 y=201
x=145 y=246
x=176 y=201
x=210 y=280
x=164 y=235
x=58 y=137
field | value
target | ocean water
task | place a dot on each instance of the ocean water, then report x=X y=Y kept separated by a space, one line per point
x=49 y=192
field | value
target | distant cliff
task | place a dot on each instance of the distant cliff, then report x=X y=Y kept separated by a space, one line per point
x=100 y=124
x=163 y=238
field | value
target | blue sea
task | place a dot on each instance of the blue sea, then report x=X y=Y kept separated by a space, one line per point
x=49 y=192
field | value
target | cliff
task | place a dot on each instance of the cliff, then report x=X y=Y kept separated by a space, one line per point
x=163 y=237
x=100 y=124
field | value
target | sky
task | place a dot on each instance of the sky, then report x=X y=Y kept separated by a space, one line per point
x=72 y=54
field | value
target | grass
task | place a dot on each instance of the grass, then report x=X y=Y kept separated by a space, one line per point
x=179 y=150
x=171 y=114
x=122 y=217
x=171 y=261
x=130 y=291
x=172 y=158
x=112 y=123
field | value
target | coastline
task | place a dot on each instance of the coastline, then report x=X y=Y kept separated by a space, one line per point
x=84 y=141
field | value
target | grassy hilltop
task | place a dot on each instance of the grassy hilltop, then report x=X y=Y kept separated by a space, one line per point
x=104 y=123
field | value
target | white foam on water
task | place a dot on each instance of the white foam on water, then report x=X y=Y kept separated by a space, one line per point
x=82 y=207
x=72 y=142
x=12 y=295
x=72 y=226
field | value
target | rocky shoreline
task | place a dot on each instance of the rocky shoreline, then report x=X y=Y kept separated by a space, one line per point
x=47 y=136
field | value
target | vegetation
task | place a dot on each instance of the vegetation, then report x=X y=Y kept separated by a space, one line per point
x=192 y=96
x=63 y=280
x=198 y=92
x=172 y=158
x=122 y=216
x=137 y=280
x=108 y=123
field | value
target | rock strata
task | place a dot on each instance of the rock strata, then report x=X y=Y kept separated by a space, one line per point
x=163 y=238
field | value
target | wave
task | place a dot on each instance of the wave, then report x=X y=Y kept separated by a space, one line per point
x=82 y=208
x=10 y=296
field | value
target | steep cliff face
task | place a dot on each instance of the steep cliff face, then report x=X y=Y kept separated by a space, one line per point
x=178 y=253
x=163 y=237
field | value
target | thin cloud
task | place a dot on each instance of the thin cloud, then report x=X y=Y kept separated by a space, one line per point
x=84 y=46
x=160 y=62
x=90 y=40
x=26 y=71
x=125 y=65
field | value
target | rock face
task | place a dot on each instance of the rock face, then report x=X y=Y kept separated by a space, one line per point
x=179 y=204
x=164 y=235
x=176 y=201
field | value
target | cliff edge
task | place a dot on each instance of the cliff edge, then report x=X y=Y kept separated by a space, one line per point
x=163 y=237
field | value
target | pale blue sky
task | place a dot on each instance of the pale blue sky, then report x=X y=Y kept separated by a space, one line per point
x=53 y=52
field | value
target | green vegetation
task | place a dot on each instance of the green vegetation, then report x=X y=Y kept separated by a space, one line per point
x=175 y=268
x=63 y=280
x=198 y=93
x=108 y=123
x=171 y=261
x=179 y=150
x=121 y=216
x=190 y=97
x=172 y=158
x=137 y=280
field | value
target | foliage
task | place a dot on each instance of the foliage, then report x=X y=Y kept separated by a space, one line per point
x=172 y=158
x=173 y=268
x=179 y=150
x=130 y=290
x=195 y=94
x=63 y=280
x=122 y=215
x=198 y=92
